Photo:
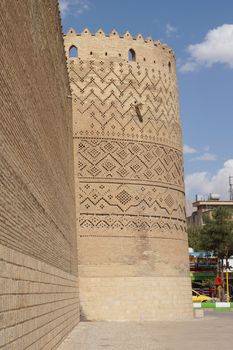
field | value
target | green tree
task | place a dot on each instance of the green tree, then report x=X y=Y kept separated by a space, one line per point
x=194 y=239
x=217 y=233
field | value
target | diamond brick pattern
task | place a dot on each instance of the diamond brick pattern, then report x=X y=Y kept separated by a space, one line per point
x=123 y=197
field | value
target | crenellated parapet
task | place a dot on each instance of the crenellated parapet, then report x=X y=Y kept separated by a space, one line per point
x=117 y=46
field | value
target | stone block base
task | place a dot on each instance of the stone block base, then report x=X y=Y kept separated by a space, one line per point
x=135 y=298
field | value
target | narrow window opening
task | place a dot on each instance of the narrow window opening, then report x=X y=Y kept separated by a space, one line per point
x=73 y=52
x=144 y=59
x=119 y=54
x=91 y=53
x=106 y=54
x=169 y=67
x=131 y=55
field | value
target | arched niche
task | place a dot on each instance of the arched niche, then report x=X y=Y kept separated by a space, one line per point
x=131 y=55
x=73 y=52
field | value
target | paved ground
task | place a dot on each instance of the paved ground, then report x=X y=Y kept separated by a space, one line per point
x=213 y=332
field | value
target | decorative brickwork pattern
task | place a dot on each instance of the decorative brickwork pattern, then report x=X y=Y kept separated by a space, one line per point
x=38 y=245
x=106 y=93
x=130 y=207
x=120 y=159
x=116 y=148
x=128 y=160
x=106 y=105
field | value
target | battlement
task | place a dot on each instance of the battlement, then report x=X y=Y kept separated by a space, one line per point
x=117 y=46
x=114 y=34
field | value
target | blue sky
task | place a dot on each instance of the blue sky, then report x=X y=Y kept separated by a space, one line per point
x=201 y=34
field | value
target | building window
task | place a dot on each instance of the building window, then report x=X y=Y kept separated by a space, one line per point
x=131 y=55
x=73 y=52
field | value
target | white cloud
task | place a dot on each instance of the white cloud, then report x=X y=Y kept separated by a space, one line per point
x=170 y=30
x=206 y=148
x=189 y=150
x=217 y=47
x=76 y=7
x=189 y=67
x=205 y=183
x=206 y=157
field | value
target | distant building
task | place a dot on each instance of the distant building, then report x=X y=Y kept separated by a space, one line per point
x=203 y=208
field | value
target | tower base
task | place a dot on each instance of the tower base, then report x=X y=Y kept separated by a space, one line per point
x=135 y=298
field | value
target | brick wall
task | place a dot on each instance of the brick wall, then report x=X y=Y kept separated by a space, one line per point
x=38 y=269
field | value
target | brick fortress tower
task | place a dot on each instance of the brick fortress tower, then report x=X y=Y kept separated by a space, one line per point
x=133 y=252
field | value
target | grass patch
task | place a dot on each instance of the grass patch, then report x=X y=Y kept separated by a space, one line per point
x=208 y=305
